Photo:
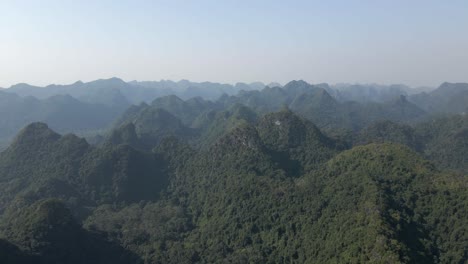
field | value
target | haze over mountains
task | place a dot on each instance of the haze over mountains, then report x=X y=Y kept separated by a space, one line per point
x=204 y=173
x=88 y=108
x=134 y=91
x=357 y=153
x=84 y=107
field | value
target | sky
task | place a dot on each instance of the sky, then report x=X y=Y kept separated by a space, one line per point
x=419 y=43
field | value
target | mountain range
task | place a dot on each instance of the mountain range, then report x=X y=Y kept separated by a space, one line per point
x=294 y=174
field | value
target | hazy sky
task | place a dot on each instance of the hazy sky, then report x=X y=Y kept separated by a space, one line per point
x=395 y=41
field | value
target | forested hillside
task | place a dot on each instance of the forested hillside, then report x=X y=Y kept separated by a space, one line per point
x=292 y=174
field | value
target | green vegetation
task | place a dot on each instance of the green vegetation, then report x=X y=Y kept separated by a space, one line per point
x=47 y=230
x=233 y=181
x=387 y=131
x=443 y=139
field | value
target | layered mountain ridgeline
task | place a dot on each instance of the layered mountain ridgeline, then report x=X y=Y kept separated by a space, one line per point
x=89 y=108
x=371 y=92
x=62 y=112
x=114 y=89
x=230 y=184
x=447 y=98
x=203 y=120
x=317 y=105
x=200 y=122
x=249 y=178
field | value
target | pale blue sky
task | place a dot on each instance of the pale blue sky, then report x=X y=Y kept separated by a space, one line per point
x=411 y=41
